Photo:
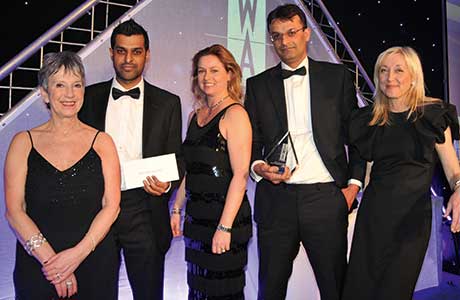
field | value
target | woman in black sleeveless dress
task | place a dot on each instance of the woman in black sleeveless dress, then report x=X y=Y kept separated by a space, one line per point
x=62 y=187
x=217 y=152
x=402 y=134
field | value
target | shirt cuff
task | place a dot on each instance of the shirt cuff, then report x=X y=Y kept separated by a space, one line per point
x=169 y=187
x=253 y=174
x=355 y=182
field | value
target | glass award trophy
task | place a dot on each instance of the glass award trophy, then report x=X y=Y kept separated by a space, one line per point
x=278 y=154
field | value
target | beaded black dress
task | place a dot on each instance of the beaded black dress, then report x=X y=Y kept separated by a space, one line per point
x=393 y=224
x=63 y=204
x=212 y=276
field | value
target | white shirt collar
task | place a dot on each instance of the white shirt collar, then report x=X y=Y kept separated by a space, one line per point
x=117 y=85
x=303 y=63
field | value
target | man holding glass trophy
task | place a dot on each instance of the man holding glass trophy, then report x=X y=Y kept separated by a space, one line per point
x=299 y=112
x=278 y=155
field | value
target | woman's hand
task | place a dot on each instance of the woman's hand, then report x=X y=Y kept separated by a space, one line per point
x=62 y=265
x=221 y=242
x=68 y=287
x=453 y=206
x=175 y=224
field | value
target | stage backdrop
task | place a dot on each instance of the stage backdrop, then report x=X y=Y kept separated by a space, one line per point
x=178 y=29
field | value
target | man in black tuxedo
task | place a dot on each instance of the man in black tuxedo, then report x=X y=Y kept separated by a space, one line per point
x=144 y=121
x=312 y=100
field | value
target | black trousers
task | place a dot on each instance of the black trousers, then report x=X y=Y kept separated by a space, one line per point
x=143 y=259
x=317 y=216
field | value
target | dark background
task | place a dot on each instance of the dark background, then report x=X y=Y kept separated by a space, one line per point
x=370 y=26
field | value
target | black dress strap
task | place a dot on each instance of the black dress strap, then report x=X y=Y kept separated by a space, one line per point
x=232 y=104
x=95 y=136
x=223 y=111
x=30 y=136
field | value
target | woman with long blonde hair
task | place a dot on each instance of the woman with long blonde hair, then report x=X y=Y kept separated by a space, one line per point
x=415 y=97
x=401 y=133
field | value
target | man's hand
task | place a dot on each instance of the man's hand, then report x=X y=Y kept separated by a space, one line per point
x=350 y=193
x=155 y=187
x=271 y=173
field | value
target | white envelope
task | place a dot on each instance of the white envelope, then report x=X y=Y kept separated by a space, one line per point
x=134 y=172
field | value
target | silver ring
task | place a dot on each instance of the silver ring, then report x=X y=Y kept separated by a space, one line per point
x=58 y=276
x=223 y=250
x=69 y=284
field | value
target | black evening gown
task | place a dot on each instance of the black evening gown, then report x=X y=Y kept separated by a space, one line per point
x=212 y=276
x=63 y=204
x=393 y=224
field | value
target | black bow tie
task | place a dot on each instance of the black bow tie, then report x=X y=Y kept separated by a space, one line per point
x=134 y=93
x=287 y=73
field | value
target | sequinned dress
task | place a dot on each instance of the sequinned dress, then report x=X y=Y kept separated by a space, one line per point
x=63 y=204
x=394 y=218
x=212 y=276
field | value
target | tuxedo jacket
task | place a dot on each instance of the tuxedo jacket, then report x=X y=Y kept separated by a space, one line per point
x=333 y=97
x=161 y=134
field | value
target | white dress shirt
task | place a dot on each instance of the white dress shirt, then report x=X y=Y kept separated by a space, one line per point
x=311 y=168
x=123 y=122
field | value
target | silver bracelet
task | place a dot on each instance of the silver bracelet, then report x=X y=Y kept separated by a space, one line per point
x=34 y=242
x=93 y=242
x=456 y=185
x=176 y=211
x=223 y=228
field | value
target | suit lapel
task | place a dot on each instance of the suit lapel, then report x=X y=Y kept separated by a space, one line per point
x=316 y=94
x=276 y=87
x=150 y=109
x=101 y=107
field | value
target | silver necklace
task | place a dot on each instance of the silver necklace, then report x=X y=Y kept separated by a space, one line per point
x=217 y=103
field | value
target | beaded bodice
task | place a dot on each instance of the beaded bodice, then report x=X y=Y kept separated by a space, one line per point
x=64 y=203
x=206 y=155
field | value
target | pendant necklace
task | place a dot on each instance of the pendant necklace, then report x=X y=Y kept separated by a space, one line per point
x=212 y=107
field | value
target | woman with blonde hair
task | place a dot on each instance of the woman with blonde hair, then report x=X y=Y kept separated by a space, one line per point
x=402 y=133
x=217 y=151
x=415 y=97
